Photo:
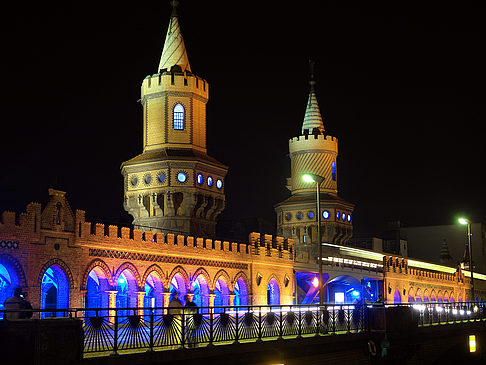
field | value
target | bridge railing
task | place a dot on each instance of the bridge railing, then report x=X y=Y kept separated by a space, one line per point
x=118 y=329
x=432 y=313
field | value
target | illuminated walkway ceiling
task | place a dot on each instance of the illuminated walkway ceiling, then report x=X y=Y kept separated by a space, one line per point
x=377 y=257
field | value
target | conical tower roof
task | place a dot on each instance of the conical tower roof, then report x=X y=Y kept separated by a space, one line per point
x=312 y=117
x=174 y=52
x=445 y=257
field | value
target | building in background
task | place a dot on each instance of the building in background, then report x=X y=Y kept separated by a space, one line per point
x=430 y=243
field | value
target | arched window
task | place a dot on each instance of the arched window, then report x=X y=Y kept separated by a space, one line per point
x=333 y=170
x=178 y=118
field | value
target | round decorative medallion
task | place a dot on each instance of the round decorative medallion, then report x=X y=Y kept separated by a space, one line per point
x=181 y=177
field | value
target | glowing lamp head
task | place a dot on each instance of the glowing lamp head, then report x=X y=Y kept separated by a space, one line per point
x=308 y=178
x=315 y=282
x=121 y=280
x=355 y=294
x=463 y=221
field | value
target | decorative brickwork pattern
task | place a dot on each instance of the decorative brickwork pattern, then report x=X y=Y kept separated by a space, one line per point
x=167 y=259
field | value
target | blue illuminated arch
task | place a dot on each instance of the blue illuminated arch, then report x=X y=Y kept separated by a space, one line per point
x=273 y=293
x=221 y=294
x=241 y=292
x=8 y=282
x=54 y=291
x=178 y=117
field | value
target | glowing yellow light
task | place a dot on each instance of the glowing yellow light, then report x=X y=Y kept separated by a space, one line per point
x=315 y=282
x=472 y=343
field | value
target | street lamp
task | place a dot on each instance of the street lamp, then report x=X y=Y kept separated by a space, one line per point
x=309 y=178
x=465 y=221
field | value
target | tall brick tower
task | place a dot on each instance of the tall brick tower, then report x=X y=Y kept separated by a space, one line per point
x=173 y=184
x=313 y=152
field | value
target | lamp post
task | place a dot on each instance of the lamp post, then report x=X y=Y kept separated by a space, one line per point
x=318 y=180
x=465 y=221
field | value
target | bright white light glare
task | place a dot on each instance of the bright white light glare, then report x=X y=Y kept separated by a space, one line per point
x=461 y=312
x=454 y=311
x=339 y=297
x=315 y=282
x=439 y=309
x=475 y=308
x=463 y=221
x=121 y=280
x=308 y=178
x=468 y=313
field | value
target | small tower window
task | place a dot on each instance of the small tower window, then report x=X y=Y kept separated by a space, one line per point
x=178 y=117
x=333 y=170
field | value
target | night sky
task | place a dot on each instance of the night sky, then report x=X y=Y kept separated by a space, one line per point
x=401 y=86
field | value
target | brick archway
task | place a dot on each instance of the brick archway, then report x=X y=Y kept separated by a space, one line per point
x=62 y=265
x=97 y=263
x=16 y=266
x=155 y=268
x=130 y=267
x=179 y=270
x=226 y=277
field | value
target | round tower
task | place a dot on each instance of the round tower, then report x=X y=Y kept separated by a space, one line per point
x=174 y=185
x=313 y=152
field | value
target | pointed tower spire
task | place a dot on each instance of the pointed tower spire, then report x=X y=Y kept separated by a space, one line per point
x=174 y=52
x=445 y=256
x=312 y=118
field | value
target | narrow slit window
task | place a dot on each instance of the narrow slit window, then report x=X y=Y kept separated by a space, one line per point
x=333 y=172
x=178 y=119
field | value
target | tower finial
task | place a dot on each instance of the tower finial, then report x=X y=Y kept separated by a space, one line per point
x=312 y=118
x=174 y=52
x=174 y=4
x=312 y=82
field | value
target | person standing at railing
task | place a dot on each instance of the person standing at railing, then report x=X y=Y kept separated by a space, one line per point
x=18 y=301
x=190 y=309
x=175 y=310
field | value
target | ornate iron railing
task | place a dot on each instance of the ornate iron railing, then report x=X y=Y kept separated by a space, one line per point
x=114 y=330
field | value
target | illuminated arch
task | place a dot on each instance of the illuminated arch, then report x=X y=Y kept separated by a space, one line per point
x=410 y=295
x=179 y=270
x=273 y=290
x=397 y=296
x=178 y=283
x=62 y=265
x=418 y=295
x=241 y=289
x=426 y=297
x=154 y=268
x=202 y=272
x=439 y=296
x=15 y=265
x=222 y=274
x=446 y=297
x=200 y=283
x=154 y=282
x=11 y=276
x=99 y=265
x=131 y=268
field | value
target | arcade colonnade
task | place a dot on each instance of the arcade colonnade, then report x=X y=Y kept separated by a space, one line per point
x=63 y=261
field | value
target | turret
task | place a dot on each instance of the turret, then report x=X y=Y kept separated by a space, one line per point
x=174 y=185
x=313 y=152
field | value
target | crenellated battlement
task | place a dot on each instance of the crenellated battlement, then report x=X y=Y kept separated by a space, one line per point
x=27 y=221
x=313 y=142
x=174 y=81
x=266 y=245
